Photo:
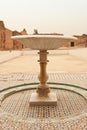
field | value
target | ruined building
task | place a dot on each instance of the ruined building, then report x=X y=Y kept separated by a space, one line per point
x=6 y=43
x=82 y=40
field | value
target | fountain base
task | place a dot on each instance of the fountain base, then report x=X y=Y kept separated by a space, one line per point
x=51 y=99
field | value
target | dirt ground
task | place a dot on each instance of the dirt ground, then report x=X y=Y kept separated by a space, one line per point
x=57 y=63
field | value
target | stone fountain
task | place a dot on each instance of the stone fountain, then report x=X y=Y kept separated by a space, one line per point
x=43 y=96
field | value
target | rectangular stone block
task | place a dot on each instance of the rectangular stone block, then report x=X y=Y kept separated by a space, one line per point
x=51 y=99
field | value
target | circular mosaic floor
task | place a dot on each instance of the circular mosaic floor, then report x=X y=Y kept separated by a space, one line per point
x=69 y=114
x=68 y=104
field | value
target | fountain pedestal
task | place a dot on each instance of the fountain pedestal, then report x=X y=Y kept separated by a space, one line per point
x=43 y=96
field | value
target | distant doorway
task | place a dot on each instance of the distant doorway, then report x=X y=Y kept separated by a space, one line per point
x=72 y=44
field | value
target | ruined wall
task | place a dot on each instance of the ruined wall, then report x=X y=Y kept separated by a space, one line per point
x=8 y=40
x=2 y=35
x=82 y=40
x=6 y=43
x=16 y=44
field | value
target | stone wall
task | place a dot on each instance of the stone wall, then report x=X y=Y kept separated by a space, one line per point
x=8 y=40
x=6 y=43
x=2 y=35
x=82 y=40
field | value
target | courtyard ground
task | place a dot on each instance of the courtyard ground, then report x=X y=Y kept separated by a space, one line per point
x=57 y=63
x=67 y=77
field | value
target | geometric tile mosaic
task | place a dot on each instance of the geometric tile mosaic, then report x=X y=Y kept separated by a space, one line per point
x=21 y=116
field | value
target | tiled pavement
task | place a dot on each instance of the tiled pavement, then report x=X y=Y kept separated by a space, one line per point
x=11 y=79
x=69 y=114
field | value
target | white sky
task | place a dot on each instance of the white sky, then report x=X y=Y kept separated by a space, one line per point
x=47 y=16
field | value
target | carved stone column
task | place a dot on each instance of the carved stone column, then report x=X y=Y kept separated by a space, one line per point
x=43 y=89
x=43 y=96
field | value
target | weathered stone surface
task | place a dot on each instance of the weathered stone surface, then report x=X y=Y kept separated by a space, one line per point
x=6 y=43
x=82 y=40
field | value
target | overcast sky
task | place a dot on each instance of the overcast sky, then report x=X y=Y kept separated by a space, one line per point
x=47 y=16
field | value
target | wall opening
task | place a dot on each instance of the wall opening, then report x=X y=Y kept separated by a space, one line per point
x=72 y=44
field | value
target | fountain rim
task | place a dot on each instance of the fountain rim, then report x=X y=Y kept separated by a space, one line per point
x=43 y=36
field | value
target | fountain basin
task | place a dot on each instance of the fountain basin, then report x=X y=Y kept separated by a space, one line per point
x=43 y=42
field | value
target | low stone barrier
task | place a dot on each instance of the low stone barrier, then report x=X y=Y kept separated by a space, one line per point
x=79 y=52
x=8 y=55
